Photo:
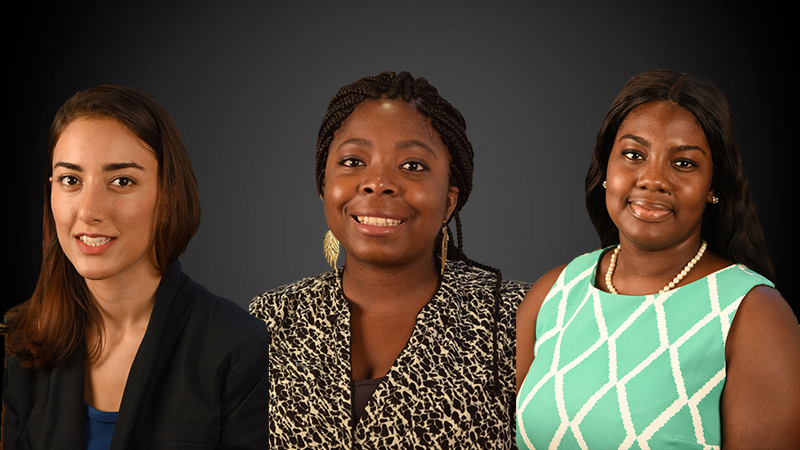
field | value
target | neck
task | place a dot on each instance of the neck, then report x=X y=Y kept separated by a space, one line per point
x=641 y=271
x=390 y=288
x=640 y=262
x=123 y=301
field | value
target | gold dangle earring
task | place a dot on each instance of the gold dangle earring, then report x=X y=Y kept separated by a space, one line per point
x=331 y=248
x=444 y=247
x=330 y=245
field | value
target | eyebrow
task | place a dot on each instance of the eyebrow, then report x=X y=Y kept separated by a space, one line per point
x=400 y=145
x=647 y=144
x=107 y=168
x=415 y=143
x=357 y=141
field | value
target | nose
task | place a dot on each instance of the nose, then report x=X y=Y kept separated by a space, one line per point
x=653 y=177
x=379 y=180
x=91 y=205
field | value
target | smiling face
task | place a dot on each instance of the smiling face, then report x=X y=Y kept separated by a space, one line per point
x=104 y=192
x=659 y=176
x=387 y=189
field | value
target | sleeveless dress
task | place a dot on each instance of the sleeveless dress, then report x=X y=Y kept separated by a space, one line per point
x=629 y=372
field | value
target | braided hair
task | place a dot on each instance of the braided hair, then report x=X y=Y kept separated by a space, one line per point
x=450 y=125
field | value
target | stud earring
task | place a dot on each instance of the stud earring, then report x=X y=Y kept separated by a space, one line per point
x=331 y=248
x=714 y=199
x=605 y=185
x=444 y=247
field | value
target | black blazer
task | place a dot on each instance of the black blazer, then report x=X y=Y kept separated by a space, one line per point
x=199 y=381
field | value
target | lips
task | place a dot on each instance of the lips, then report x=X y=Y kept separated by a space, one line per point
x=649 y=211
x=93 y=245
x=377 y=222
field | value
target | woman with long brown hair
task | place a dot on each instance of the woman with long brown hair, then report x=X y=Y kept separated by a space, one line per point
x=117 y=347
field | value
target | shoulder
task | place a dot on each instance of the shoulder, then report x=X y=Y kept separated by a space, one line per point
x=17 y=379
x=763 y=314
x=529 y=308
x=272 y=305
x=583 y=265
x=764 y=334
x=553 y=282
x=762 y=355
x=527 y=314
x=467 y=278
x=222 y=312
x=304 y=287
x=184 y=306
x=227 y=331
x=475 y=288
x=740 y=277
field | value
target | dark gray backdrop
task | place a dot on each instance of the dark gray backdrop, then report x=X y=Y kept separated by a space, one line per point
x=248 y=84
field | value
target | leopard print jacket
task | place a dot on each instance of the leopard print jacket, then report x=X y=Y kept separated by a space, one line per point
x=439 y=393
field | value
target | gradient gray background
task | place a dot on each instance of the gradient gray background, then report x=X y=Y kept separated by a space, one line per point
x=248 y=84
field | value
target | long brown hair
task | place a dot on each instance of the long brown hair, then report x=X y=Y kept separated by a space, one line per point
x=48 y=328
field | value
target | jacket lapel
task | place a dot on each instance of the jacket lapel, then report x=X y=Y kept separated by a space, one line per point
x=146 y=358
x=62 y=409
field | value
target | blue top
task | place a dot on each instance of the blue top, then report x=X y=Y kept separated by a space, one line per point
x=98 y=427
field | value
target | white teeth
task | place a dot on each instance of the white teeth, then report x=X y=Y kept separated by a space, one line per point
x=378 y=221
x=94 y=242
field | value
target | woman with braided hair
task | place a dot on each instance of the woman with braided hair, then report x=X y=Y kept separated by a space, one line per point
x=410 y=344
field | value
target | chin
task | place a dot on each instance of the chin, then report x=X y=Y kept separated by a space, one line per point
x=652 y=241
x=102 y=269
x=93 y=272
x=372 y=254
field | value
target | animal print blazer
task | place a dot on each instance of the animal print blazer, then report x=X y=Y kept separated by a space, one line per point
x=438 y=394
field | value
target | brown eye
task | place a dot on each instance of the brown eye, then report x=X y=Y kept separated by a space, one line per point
x=632 y=154
x=414 y=166
x=68 y=180
x=351 y=162
x=123 y=182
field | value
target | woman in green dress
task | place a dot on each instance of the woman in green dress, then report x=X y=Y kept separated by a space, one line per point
x=672 y=335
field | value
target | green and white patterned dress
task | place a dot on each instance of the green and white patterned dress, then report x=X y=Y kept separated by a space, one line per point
x=629 y=372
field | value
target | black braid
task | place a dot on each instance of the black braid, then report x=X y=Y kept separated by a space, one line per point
x=450 y=125
x=457 y=253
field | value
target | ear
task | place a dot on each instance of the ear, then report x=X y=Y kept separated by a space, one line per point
x=710 y=196
x=452 y=200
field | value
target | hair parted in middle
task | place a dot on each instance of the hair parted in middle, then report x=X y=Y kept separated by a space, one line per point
x=49 y=327
x=450 y=125
x=445 y=119
x=730 y=227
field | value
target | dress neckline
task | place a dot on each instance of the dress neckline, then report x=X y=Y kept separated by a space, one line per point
x=603 y=251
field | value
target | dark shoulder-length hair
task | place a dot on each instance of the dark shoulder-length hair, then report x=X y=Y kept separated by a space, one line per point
x=731 y=226
x=48 y=328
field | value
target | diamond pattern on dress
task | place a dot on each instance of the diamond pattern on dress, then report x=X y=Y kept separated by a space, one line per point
x=616 y=371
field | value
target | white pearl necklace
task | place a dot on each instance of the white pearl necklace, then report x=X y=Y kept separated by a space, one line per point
x=613 y=264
